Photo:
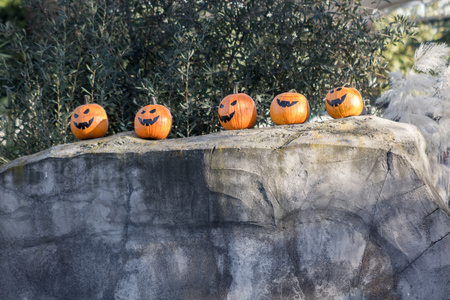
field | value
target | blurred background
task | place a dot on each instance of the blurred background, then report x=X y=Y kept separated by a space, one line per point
x=432 y=19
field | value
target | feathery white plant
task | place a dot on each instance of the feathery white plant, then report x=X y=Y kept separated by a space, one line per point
x=422 y=98
x=430 y=57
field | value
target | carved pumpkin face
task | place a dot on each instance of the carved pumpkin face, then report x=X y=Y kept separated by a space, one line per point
x=237 y=111
x=289 y=108
x=89 y=121
x=153 y=121
x=343 y=102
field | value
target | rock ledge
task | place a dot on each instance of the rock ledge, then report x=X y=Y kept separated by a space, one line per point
x=341 y=209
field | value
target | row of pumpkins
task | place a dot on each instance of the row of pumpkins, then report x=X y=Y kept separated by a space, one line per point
x=236 y=111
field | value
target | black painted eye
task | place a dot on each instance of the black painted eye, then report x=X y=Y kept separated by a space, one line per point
x=332 y=91
x=86 y=111
x=153 y=111
x=75 y=116
x=221 y=105
x=233 y=103
x=338 y=89
x=142 y=111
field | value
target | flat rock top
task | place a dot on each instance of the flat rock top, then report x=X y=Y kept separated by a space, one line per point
x=362 y=131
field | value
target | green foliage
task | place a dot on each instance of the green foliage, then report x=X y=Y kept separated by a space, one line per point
x=429 y=29
x=187 y=54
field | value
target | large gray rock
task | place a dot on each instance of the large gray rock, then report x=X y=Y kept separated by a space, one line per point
x=343 y=209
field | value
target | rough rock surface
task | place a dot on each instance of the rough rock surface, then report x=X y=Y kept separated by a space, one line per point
x=342 y=209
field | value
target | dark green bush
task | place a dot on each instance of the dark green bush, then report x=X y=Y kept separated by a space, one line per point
x=187 y=54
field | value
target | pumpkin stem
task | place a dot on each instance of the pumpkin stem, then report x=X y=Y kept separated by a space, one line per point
x=236 y=88
x=346 y=84
x=86 y=99
x=153 y=100
x=292 y=91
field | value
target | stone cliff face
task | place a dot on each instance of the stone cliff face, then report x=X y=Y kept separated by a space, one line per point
x=342 y=209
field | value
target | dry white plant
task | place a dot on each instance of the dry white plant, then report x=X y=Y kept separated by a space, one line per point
x=422 y=98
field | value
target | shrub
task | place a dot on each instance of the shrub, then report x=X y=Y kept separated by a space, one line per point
x=187 y=54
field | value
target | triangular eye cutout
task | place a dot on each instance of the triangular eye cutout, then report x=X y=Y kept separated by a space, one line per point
x=338 y=89
x=233 y=103
x=221 y=105
x=142 y=112
x=86 y=111
x=75 y=116
x=332 y=91
x=153 y=111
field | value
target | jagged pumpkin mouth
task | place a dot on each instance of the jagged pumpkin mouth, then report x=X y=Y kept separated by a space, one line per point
x=284 y=103
x=336 y=102
x=149 y=121
x=83 y=125
x=227 y=118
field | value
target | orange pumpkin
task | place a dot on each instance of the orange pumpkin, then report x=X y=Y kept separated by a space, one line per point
x=344 y=102
x=237 y=111
x=289 y=108
x=153 y=121
x=89 y=121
